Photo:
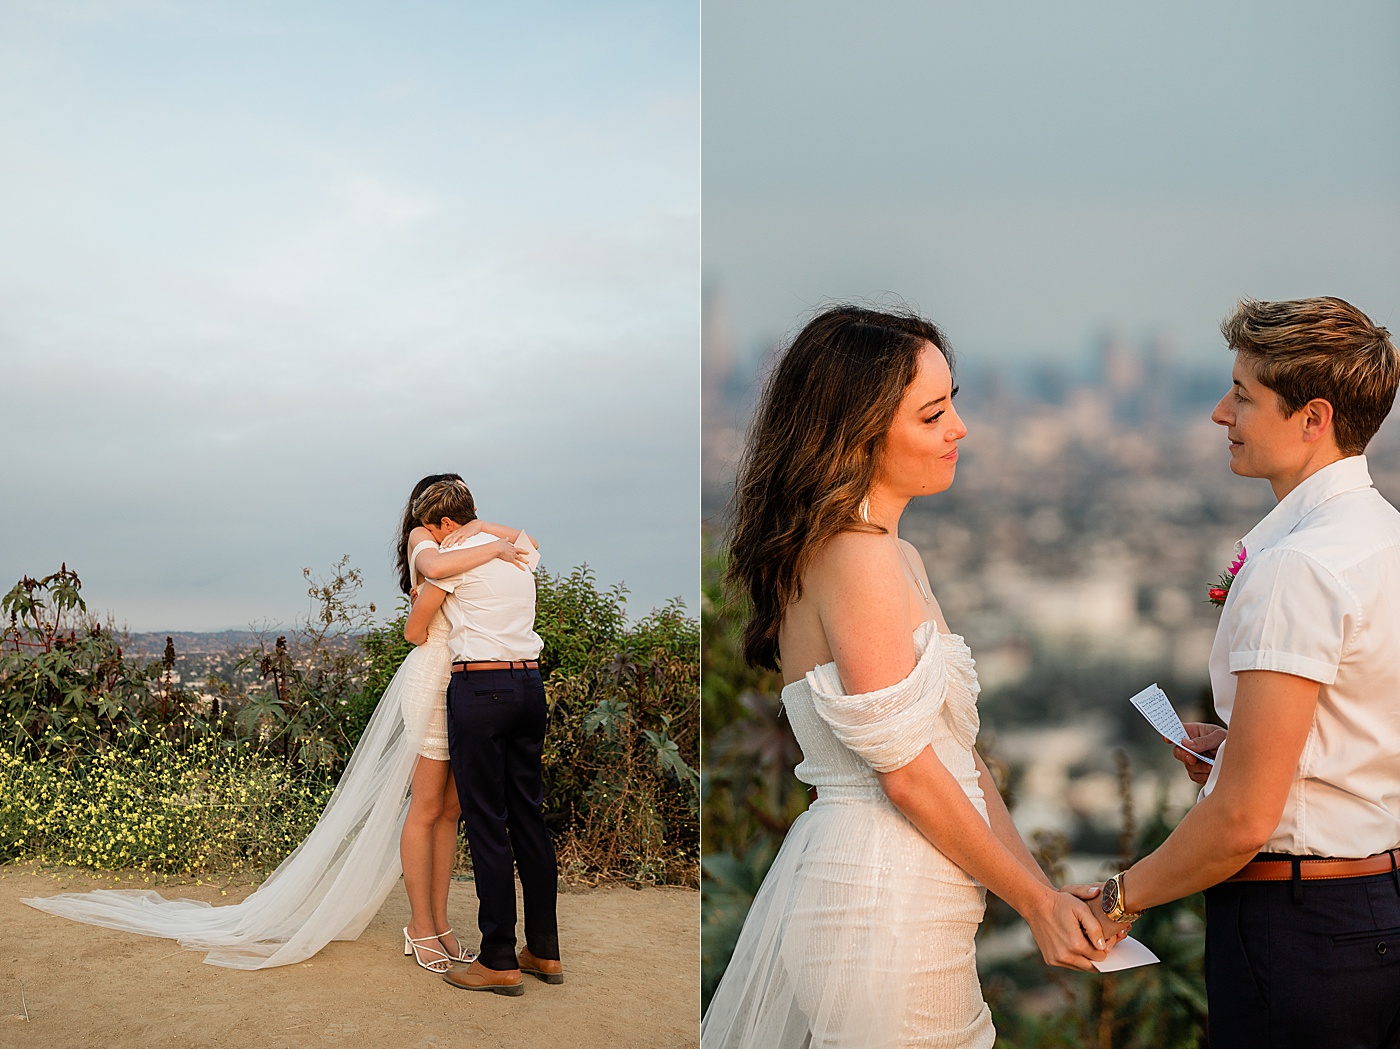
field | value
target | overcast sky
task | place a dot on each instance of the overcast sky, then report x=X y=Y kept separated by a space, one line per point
x=1031 y=175
x=263 y=265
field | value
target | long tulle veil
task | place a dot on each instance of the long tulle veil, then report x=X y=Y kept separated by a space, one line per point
x=328 y=888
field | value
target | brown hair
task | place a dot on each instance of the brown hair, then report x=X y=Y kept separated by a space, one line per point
x=1320 y=348
x=812 y=453
x=409 y=523
x=451 y=499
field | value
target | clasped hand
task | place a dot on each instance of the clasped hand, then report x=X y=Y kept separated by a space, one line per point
x=1070 y=933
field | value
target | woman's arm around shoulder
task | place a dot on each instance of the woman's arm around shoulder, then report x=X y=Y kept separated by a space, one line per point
x=440 y=563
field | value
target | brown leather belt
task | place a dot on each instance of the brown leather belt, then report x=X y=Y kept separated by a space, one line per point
x=496 y=664
x=1311 y=868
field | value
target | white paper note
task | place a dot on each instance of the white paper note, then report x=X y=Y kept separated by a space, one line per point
x=532 y=557
x=1153 y=704
x=1127 y=954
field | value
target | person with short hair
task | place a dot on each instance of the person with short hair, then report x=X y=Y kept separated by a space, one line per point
x=1294 y=837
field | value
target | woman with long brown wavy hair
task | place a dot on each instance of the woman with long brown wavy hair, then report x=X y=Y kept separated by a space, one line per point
x=862 y=933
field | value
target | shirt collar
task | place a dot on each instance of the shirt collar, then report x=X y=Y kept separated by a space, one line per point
x=1345 y=475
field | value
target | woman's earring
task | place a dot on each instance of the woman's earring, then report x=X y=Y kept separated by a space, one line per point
x=865 y=509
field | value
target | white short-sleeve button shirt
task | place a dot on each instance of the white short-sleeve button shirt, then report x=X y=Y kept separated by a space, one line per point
x=491 y=610
x=1319 y=597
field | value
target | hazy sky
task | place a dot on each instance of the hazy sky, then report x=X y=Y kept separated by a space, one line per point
x=1033 y=174
x=263 y=265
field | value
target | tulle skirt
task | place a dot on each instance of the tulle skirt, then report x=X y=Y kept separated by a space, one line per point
x=332 y=885
x=861 y=937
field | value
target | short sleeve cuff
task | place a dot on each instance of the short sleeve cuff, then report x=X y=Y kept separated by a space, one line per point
x=1284 y=663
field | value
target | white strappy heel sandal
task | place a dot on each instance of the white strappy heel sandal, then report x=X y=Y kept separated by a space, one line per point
x=440 y=964
x=462 y=955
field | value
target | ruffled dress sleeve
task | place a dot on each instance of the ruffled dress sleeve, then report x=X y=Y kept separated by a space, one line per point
x=888 y=728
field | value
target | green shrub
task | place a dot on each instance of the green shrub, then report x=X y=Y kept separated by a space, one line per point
x=110 y=766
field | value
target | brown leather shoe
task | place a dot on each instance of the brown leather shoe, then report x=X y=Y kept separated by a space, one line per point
x=477 y=977
x=547 y=969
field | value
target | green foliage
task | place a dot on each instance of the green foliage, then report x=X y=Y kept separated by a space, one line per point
x=621 y=755
x=63 y=678
x=578 y=623
x=382 y=648
x=111 y=765
x=152 y=804
x=310 y=685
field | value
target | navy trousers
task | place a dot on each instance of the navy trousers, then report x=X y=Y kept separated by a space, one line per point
x=495 y=732
x=1304 y=965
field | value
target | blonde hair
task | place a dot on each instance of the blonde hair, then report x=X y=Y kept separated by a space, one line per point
x=1320 y=348
x=448 y=498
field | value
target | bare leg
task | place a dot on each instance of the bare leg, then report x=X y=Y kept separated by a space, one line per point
x=444 y=858
x=416 y=844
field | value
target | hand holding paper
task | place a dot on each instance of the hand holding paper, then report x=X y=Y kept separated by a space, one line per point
x=1153 y=704
x=524 y=542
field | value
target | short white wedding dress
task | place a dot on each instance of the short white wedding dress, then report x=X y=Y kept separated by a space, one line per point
x=334 y=882
x=861 y=936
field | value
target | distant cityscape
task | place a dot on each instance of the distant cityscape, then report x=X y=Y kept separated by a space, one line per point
x=207 y=666
x=1092 y=509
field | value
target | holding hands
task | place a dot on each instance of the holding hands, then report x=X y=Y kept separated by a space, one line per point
x=1068 y=931
x=1112 y=932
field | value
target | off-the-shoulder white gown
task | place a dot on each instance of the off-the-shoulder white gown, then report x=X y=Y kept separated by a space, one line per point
x=861 y=936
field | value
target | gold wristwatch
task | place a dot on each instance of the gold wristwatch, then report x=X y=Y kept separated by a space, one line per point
x=1111 y=901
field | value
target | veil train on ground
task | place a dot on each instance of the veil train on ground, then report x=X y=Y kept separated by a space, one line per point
x=329 y=888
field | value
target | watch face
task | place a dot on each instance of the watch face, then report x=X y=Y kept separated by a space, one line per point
x=1109 y=896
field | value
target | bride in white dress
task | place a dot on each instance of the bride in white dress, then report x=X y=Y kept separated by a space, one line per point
x=334 y=882
x=861 y=935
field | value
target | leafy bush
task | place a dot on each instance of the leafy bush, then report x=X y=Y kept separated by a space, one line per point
x=110 y=765
x=63 y=678
x=619 y=761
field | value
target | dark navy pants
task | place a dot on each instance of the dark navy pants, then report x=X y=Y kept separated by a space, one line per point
x=495 y=732
x=1304 y=965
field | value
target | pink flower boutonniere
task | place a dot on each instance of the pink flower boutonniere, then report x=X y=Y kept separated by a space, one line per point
x=1217 y=593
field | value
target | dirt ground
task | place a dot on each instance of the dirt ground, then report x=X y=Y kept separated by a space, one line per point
x=631 y=959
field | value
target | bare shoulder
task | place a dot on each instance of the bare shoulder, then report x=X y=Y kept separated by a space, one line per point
x=863 y=562
x=864 y=608
x=419 y=535
x=853 y=552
